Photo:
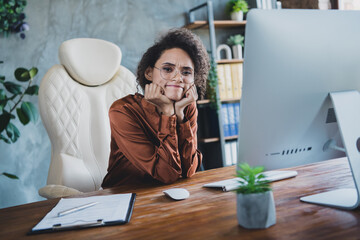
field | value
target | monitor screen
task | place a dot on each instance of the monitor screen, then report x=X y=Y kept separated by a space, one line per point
x=293 y=60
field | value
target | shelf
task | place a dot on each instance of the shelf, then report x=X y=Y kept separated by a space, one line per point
x=204 y=101
x=230 y=100
x=231 y=138
x=207 y=101
x=222 y=61
x=209 y=140
x=216 y=139
x=217 y=23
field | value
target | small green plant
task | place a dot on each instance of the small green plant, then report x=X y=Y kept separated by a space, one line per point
x=12 y=17
x=252 y=180
x=212 y=84
x=237 y=6
x=237 y=39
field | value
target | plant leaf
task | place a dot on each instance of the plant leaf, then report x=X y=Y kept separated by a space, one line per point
x=24 y=119
x=12 y=132
x=30 y=111
x=32 y=90
x=33 y=71
x=22 y=74
x=13 y=87
x=3 y=100
x=4 y=120
x=9 y=175
x=2 y=137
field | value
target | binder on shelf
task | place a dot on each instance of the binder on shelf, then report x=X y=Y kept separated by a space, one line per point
x=233 y=145
x=225 y=118
x=228 y=154
x=228 y=81
x=235 y=80
x=232 y=123
x=237 y=117
x=221 y=81
x=109 y=210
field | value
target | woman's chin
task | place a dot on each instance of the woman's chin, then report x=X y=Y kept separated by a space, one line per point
x=174 y=98
x=174 y=95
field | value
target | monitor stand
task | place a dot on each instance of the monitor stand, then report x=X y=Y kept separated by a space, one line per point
x=347 y=109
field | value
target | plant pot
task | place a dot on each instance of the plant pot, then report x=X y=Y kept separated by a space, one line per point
x=237 y=51
x=256 y=211
x=237 y=16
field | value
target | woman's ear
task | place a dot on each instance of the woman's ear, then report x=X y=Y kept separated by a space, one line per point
x=148 y=73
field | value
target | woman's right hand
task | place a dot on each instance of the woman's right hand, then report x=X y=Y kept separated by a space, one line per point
x=155 y=95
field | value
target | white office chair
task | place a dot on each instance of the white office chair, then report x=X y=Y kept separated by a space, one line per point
x=74 y=99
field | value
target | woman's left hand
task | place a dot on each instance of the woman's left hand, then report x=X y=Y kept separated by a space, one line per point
x=190 y=96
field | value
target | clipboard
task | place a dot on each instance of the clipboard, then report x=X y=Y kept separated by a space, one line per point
x=110 y=210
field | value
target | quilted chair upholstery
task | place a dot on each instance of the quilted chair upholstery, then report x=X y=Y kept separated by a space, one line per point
x=74 y=99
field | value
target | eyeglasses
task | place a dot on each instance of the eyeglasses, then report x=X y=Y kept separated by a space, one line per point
x=169 y=73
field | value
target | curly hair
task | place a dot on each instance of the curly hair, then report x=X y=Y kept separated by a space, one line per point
x=177 y=38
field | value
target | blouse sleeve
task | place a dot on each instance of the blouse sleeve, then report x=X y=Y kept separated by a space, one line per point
x=156 y=155
x=187 y=137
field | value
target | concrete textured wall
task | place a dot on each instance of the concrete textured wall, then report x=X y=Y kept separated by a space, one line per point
x=131 y=24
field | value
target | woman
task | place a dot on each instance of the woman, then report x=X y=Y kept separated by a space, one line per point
x=153 y=137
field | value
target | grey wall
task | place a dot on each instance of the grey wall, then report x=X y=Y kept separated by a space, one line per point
x=131 y=24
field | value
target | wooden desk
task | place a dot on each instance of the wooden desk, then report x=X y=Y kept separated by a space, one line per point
x=209 y=213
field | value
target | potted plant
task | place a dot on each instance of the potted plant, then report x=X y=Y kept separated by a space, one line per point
x=255 y=200
x=236 y=9
x=237 y=43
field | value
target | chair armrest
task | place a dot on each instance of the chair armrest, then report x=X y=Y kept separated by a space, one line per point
x=57 y=191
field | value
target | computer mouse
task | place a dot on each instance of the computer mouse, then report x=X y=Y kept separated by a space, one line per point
x=177 y=193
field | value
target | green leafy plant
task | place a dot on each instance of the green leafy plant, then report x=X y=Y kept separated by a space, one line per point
x=252 y=180
x=212 y=84
x=11 y=99
x=237 y=6
x=237 y=39
x=12 y=17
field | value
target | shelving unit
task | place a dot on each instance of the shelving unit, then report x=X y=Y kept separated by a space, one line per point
x=217 y=24
x=212 y=144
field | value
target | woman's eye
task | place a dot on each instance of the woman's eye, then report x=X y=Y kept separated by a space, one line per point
x=186 y=73
x=167 y=69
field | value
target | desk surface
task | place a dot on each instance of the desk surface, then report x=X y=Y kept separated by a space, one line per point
x=210 y=213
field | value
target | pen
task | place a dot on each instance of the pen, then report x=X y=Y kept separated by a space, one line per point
x=75 y=209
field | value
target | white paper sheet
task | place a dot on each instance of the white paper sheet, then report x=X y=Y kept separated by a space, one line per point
x=109 y=208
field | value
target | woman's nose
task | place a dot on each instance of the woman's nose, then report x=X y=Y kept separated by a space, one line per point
x=178 y=77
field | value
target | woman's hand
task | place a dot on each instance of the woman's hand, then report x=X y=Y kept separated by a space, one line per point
x=155 y=95
x=190 y=96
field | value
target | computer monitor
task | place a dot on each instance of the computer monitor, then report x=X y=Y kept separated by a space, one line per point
x=293 y=60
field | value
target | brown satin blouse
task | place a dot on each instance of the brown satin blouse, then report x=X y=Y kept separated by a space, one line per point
x=146 y=145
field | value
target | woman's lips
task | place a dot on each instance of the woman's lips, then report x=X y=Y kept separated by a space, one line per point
x=175 y=86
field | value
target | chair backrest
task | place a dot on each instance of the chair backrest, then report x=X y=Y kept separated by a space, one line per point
x=74 y=99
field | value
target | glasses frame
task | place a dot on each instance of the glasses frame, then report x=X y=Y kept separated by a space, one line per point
x=176 y=73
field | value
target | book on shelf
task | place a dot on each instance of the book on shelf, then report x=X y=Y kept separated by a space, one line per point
x=225 y=119
x=233 y=145
x=232 y=123
x=266 y=4
x=237 y=117
x=228 y=81
x=230 y=77
x=231 y=153
x=236 y=77
x=228 y=155
x=221 y=81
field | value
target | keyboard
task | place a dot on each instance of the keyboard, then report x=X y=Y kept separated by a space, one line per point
x=233 y=183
